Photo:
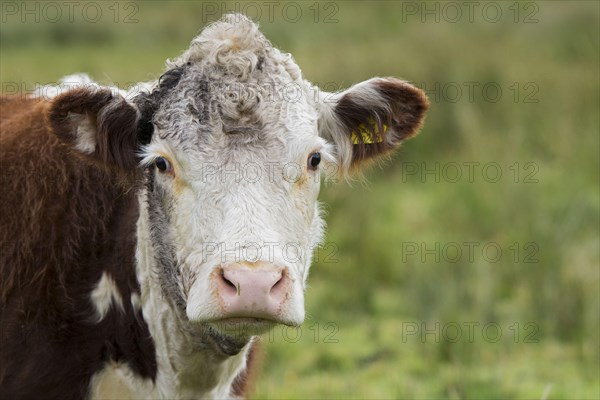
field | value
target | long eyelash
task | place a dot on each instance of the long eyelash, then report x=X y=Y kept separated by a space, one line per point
x=327 y=153
x=148 y=159
x=149 y=153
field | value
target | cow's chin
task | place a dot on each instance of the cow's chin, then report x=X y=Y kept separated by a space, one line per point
x=230 y=335
x=242 y=327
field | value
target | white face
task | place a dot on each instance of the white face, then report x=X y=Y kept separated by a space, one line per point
x=236 y=171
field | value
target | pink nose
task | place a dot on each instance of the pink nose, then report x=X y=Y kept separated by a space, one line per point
x=252 y=292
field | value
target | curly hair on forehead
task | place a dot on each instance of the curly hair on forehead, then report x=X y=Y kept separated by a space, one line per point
x=234 y=44
x=148 y=103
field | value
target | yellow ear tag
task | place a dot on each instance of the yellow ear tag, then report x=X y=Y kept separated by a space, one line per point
x=367 y=136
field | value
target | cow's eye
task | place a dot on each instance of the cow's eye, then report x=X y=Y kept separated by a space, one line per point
x=314 y=160
x=162 y=164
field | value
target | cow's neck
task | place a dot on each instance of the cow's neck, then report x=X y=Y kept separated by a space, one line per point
x=188 y=365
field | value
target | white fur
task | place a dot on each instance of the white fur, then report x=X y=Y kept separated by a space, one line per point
x=68 y=82
x=85 y=138
x=135 y=302
x=104 y=295
x=112 y=383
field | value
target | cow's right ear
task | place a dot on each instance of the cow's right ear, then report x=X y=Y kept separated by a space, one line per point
x=97 y=124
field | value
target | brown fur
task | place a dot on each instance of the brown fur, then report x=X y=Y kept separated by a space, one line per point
x=116 y=122
x=403 y=114
x=63 y=222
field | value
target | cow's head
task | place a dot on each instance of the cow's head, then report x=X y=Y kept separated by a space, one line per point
x=232 y=143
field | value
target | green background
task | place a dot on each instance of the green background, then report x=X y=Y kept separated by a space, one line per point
x=389 y=293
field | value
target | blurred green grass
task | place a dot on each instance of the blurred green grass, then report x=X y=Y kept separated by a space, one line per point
x=375 y=291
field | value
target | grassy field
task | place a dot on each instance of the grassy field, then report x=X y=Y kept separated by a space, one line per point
x=468 y=266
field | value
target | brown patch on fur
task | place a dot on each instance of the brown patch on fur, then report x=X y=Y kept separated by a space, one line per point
x=115 y=121
x=243 y=385
x=63 y=222
x=403 y=113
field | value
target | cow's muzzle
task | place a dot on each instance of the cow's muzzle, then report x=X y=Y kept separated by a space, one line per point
x=251 y=291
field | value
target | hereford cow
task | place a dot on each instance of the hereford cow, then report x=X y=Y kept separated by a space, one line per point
x=147 y=236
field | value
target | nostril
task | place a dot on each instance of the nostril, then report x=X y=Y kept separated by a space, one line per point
x=281 y=284
x=227 y=284
x=278 y=283
x=227 y=281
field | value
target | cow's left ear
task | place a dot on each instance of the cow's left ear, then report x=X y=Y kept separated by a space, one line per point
x=370 y=119
x=98 y=124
